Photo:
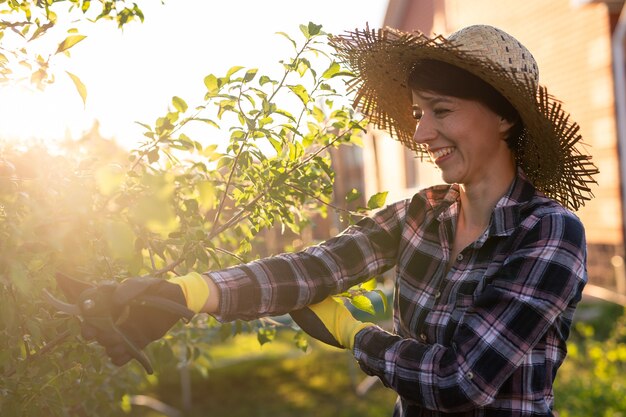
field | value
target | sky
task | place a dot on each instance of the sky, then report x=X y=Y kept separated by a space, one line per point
x=131 y=75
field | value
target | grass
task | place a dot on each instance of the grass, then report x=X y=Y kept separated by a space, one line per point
x=279 y=381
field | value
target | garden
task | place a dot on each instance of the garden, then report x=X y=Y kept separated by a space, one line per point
x=209 y=186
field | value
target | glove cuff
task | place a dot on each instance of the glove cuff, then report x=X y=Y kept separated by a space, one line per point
x=359 y=326
x=194 y=288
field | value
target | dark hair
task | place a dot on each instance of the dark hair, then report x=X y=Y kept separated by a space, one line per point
x=447 y=79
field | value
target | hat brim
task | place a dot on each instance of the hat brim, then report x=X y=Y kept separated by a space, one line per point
x=382 y=60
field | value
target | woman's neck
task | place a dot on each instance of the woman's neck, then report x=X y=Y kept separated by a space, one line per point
x=479 y=200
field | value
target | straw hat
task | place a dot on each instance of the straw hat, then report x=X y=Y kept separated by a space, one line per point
x=382 y=60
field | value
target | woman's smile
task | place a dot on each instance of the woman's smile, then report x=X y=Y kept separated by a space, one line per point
x=441 y=154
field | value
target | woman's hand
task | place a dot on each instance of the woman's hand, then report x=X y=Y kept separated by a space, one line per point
x=330 y=322
x=145 y=308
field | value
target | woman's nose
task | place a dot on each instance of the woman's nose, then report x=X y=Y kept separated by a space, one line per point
x=424 y=131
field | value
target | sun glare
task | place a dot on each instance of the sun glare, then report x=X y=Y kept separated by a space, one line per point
x=132 y=75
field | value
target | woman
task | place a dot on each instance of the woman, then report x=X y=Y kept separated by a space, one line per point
x=489 y=267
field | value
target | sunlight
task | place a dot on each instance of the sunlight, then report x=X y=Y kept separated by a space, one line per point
x=53 y=114
x=131 y=76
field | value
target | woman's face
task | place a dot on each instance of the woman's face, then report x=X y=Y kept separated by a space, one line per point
x=465 y=139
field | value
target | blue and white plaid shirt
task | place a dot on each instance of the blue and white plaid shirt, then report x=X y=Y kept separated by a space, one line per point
x=481 y=336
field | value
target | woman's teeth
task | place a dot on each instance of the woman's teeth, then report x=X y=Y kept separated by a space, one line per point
x=442 y=152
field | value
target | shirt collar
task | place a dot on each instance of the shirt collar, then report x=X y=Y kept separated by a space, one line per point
x=506 y=214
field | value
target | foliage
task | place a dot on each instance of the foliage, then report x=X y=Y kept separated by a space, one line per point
x=35 y=32
x=591 y=381
x=198 y=194
x=273 y=381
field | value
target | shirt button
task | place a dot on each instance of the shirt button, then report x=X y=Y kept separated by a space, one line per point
x=469 y=375
x=438 y=294
x=459 y=257
x=423 y=337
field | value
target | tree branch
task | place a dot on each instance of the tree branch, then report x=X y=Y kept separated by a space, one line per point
x=47 y=348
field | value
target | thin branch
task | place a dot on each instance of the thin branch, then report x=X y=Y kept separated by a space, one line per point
x=44 y=350
x=331 y=205
x=244 y=212
x=227 y=252
x=254 y=120
x=222 y=203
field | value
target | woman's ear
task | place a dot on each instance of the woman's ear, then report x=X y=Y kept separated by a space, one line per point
x=505 y=127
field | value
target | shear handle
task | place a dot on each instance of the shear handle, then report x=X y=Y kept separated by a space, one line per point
x=154 y=302
x=106 y=324
x=135 y=352
x=165 y=305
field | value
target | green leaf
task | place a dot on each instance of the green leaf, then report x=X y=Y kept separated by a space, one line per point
x=224 y=161
x=301 y=341
x=264 y=80
x=146 y=126
x=352 y=195
x=314 y=29
x=296 y=151
x=40 y=31
x=153 y=156
x=69 y=42
x=288 y=37
x=377 y=200
x=303 y=66
x=266 y=334
x=209 y=122
x=80 y=87
x=363 y=303
x=318 y=114
x=369 y=285
x=233 y=70
x=212 y=84
x=301 y=92
x=310 y=30
x=179 y=104
x=286 y=114
x=276 y=144
x=250 y=74
x=331 y=71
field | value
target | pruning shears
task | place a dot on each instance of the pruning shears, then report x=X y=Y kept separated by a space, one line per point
x=94 y=304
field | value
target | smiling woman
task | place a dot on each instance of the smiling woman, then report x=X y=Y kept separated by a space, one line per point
x=131 y=75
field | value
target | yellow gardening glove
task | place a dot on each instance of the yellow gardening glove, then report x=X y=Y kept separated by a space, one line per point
x=194 y=288
x=330 y=322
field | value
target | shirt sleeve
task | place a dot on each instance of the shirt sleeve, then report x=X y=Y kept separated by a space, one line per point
x=536 y=284
x=282 y=283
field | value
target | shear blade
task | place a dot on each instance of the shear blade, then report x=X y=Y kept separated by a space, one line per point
x=72 y=309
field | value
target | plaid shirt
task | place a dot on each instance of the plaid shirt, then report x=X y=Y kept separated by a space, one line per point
x=481 y=336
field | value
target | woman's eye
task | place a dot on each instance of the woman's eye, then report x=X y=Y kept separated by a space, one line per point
x=440 y=112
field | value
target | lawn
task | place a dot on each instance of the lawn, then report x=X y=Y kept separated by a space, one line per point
x=278 y=380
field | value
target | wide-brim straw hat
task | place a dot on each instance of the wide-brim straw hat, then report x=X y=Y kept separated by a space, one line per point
x=382 y=59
